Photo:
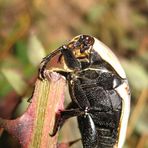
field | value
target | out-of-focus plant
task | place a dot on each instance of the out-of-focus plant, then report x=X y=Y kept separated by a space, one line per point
x=122 y=25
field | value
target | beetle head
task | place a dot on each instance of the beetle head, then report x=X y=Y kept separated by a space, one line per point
x=85 y=49
x=81 y=46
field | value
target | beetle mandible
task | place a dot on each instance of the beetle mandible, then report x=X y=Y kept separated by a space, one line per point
x=98 y=87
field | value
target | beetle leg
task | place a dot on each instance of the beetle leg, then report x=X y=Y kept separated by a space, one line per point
x=88 y=131
x=62 y=116
x=70 y=60
x=44 y=63
x=80 y=97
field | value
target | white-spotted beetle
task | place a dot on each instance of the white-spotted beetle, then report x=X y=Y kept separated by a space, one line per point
x=98 y=88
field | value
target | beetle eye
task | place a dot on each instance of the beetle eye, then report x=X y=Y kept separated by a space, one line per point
x=116 y=82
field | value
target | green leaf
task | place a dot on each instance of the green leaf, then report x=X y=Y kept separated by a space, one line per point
x=4 y=87
x=136 y=74
x=35 y=50
x=96 y=13
x=15 y=80
x=139 y=20
x=21 y=52
x=129 y=43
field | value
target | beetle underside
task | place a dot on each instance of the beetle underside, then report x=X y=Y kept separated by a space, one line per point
x=92 y=85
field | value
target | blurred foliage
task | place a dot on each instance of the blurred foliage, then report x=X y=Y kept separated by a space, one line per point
x=28 y=29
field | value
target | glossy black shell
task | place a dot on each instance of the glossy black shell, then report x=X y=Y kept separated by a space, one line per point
x=104 y=103
x=98 y=88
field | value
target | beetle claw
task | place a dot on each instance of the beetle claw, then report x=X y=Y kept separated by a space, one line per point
x=52 y=134
x=42 y=67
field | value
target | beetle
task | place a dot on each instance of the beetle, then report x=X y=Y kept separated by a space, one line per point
x=98 y=87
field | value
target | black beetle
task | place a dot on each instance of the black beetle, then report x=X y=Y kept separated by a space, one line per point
x=98 y=88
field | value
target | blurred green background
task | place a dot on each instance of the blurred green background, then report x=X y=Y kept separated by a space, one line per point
x=30 y=29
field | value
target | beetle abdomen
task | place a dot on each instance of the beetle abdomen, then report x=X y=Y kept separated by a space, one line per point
x=105 y=138
x=104 y=104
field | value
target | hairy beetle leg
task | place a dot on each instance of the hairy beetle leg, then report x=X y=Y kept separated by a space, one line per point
x=70 y=60
x=64 y=115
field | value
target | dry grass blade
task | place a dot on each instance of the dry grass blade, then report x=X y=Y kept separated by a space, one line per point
x=137 y=111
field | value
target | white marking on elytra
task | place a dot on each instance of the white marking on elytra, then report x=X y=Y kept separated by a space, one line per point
x=124 y=93
x=108 y=56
